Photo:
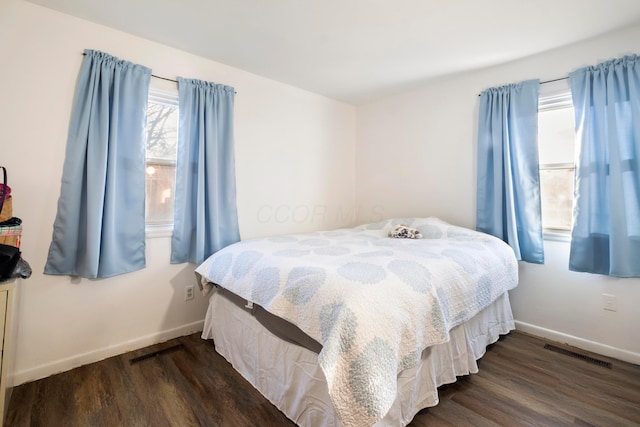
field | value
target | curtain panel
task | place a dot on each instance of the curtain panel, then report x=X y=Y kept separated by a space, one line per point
x=606 y=234
x=508 y=180
x=205 y=216
x=99 y=230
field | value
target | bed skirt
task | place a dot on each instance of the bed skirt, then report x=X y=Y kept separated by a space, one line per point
x=289 y=376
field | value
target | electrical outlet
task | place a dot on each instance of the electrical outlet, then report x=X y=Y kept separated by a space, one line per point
x=609 y=302
x=189 y=292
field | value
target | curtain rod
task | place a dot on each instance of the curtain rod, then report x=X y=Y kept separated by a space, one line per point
x=163 y=78
x=548 y=81
x=554 y=80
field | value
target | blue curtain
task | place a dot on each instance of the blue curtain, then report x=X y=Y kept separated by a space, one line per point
x=205 y=217
x=606 y=231
x=99 y=230
x=508 y=193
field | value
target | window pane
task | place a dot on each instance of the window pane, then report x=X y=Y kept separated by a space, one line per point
x=162 y=140
x=556 y=145
x=162 y=132
x=556 y=193
x=556 y=136
x=161 y=181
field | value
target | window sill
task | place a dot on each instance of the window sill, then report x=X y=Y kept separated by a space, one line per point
x=557 y=236
x=156 y=231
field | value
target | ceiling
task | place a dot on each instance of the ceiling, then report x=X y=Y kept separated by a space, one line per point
x=358 y=50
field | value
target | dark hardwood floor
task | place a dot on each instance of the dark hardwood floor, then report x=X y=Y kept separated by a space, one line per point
x=187 y=383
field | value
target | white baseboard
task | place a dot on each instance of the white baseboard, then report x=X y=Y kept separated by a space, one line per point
x=592 y=346
x=62 y=365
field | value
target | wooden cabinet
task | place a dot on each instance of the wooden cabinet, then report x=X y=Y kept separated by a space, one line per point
x=6 y=308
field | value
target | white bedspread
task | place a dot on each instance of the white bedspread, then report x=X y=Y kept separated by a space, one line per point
x=373 y=302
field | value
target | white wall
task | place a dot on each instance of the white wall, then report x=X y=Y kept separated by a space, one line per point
x=416 y=156
x=294 y=163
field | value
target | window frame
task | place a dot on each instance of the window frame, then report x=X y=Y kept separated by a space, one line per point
x=554 y=96
x=168 y=98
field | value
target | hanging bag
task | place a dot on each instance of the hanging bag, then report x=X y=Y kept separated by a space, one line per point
x=6 y=202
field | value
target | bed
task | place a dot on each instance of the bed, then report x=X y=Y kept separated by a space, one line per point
x=351 y=327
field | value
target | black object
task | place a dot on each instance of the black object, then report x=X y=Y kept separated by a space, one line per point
x=23 y=269
x=4 y=187
x=11 y=222
x=9 y=257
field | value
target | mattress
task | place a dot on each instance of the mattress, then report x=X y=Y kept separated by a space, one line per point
x=281 y=328
x=289 y=376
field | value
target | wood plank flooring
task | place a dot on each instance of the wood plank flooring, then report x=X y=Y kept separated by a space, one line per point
x=187 y=383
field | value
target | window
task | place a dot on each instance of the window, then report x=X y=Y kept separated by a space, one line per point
x=162 y=142
x=556 y=145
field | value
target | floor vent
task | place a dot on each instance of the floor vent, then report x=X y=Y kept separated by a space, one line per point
x=156 y=353
x=579 y=356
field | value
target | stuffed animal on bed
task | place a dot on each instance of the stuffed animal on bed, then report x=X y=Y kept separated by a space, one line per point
x=403 y=232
